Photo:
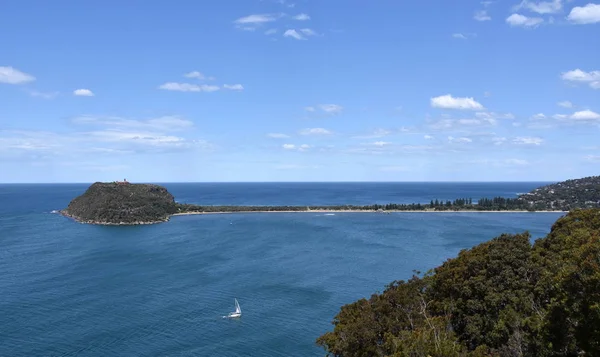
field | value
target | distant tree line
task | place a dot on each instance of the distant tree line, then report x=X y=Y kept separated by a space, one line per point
x=460 y=204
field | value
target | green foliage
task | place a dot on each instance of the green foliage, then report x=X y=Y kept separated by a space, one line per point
x=566 y=195
x=124 y=203
x=114 y=203
x=504 y=297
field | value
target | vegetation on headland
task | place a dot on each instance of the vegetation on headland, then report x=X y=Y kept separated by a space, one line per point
x=505 y=297
x=565 y=195
x=126 y=203
x=484 y=204
x=122 y=203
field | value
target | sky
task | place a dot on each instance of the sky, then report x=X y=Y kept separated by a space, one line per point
x=299 y=90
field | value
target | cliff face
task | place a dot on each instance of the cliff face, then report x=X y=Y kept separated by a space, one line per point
x=122 y=203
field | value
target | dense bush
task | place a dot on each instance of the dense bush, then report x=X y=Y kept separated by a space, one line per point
x=504 y=297
x=127 y=203
x=565 y=195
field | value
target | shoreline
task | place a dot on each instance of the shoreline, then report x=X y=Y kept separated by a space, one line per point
x=78 y=220
x=138 y=223
x=365 y=211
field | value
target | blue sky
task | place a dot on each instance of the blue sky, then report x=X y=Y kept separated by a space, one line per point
x=299 y=90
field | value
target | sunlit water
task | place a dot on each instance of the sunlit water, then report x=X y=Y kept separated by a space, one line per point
x=68 y=289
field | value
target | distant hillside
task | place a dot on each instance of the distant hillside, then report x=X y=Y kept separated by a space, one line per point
x=122 y=203
x=565 y=195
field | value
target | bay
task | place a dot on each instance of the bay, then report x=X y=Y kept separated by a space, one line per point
x=69 y=289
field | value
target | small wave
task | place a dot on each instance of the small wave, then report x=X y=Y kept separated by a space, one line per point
x=54 y=211
x=329 y=214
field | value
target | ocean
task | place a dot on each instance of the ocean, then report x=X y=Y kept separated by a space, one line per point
x=69 y=289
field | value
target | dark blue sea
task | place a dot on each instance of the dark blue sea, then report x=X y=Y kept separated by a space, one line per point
x=69 y=289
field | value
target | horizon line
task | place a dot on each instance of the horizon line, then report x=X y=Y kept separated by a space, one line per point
x=266 y=182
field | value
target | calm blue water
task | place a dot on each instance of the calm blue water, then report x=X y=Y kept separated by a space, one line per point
x=68 y=289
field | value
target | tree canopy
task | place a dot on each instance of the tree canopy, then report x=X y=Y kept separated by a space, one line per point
x=115 y=203
x=504 y=297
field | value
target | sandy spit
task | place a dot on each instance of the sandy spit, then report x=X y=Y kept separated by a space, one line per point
x=363 y=211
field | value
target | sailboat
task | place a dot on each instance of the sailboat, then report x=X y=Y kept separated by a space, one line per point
x=237 y=312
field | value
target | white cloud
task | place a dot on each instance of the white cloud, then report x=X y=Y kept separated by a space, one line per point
x=499 y=140
x=468 y=121
x=585 y=115
x=195 y=74
x=270 y=32
x=308 y=32
x=523 y=21
x=377 y=133
x=314 y=131
x=541 y=7
x=144 y=138
x=253 y=22
x=449 y=102
x=528 y=140
x=303 y=147
x=331 y=108
x=164 y=123
x=278 y=136
x=581 y=76
x=538 y=116
x=493 y=116
x=588 y=14
x=516 y=162
x=233 y=86
x=45 y=95
x=12 y=75
x=256 y=19
x=454 y=124
x=499 y=163
x=560 y=116
x=459 y=140
x=482 y=15
x=565 y=104
x=301 y=17
x=300 y=34
x=381 y=143
x=109 y=136
x=428 y=137
x=593 y=158
x=577 y=75
x=459 y=35
x=294 y=34
x=393 y=149
x=29 y=141
x=83 y=92
x=187 y=87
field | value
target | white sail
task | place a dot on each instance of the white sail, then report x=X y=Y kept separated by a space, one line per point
x=237 y=313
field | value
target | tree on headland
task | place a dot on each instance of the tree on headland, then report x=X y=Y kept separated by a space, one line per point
x=504 y=297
